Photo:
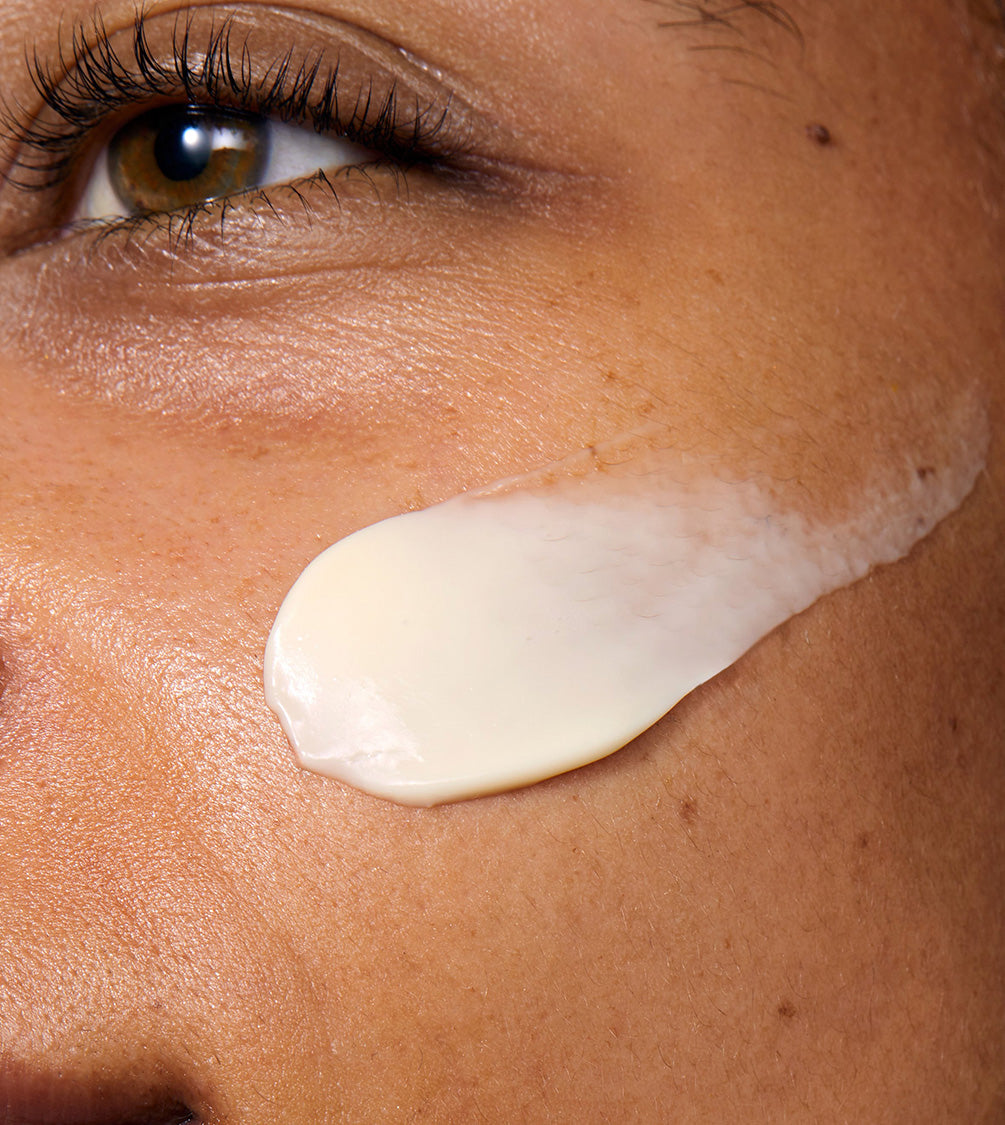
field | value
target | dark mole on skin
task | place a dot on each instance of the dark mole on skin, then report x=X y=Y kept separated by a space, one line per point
x=786 y=1009
x=819 y=133
x=688 y=810
x=924 y=472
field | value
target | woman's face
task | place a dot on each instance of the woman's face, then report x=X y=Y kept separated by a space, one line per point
x=775 y=231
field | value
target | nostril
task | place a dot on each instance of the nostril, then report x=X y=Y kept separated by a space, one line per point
x=178 y=1115
x=39 y=1115
x=26 y=1115
x=34 y=1097
x=170 y=1115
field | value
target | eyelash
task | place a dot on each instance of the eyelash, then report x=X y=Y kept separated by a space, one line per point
x=99 y=85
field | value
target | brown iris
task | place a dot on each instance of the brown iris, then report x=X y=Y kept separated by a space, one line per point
x=177 y=156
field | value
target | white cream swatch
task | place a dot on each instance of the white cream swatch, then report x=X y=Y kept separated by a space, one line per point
x=522 y=630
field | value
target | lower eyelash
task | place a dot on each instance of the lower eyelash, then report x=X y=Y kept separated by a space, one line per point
x=179 y=227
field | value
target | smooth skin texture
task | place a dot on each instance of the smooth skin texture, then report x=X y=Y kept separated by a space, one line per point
x=782 y=903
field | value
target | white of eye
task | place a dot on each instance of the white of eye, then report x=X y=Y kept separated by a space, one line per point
x=293 y=152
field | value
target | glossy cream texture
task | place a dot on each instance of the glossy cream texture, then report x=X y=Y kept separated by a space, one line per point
x=522 y=630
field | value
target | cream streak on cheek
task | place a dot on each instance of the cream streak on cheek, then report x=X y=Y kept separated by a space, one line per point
x=522 y=630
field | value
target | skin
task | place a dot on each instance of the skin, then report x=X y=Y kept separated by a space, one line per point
x=782 y=903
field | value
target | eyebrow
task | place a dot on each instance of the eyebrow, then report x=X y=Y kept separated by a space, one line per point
x=726 y=14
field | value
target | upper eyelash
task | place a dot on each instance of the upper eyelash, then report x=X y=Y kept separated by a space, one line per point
x=98 y=83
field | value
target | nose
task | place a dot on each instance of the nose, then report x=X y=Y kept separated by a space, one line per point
x=114 y=778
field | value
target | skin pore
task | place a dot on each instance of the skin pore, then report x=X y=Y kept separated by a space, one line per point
x=783 y=902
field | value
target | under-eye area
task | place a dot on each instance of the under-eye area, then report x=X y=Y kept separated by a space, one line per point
x=183 y=185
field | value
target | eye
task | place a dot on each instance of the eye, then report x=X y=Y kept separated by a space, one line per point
x=182 y=126
x=179 y=156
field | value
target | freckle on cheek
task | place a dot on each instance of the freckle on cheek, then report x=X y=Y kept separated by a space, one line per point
x=522 y=630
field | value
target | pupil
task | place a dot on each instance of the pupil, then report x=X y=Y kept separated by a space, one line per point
x=183 y=149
